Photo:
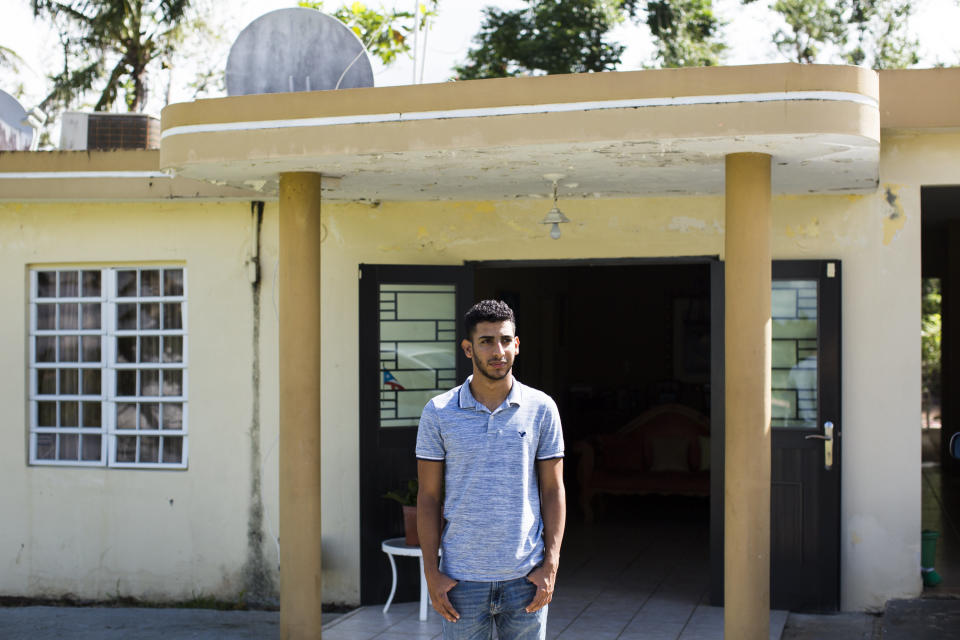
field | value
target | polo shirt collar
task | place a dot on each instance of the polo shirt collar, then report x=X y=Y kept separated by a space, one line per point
x=467 y=401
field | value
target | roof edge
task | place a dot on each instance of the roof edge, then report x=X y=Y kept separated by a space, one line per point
x=506 y=92
x=920 y=98
x=127 y=160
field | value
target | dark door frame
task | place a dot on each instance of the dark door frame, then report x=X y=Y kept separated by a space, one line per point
x=592 y=262
x=718 y=403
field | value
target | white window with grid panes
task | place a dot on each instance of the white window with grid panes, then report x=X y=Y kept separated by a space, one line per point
x=108 y=367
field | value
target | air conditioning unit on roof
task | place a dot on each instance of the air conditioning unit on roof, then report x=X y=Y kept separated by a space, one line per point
x=102 y=131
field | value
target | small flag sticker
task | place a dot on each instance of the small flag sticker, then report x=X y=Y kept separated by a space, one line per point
x=390 y=381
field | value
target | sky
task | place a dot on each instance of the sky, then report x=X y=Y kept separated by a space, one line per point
x=747 y=33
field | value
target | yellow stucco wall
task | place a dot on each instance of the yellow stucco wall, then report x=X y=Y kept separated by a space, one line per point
x=882 y=493
x=101 y=533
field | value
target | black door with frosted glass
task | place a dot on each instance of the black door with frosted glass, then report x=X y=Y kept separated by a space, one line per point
x=805 y=464
x=409 y=334
x=806 y=436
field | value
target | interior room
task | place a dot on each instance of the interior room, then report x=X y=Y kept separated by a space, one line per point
x=624 y=349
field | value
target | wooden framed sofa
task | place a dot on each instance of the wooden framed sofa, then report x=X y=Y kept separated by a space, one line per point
x=665 y=450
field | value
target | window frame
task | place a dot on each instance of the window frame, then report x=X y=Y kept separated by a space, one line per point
x=109 y=366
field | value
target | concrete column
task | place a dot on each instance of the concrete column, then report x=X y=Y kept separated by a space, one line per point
x=299 y=380
x=746 y=553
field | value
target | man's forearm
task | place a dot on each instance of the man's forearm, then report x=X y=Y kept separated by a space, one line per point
x=553 y=510
x=553 y=507
x=428 y=529
x=429 y=504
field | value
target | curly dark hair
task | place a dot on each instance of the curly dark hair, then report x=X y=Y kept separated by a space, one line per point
x=487 y=311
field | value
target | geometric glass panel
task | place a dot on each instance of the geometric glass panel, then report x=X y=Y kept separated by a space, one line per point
x=794 y=372
x=417 y=328
x=426 y=306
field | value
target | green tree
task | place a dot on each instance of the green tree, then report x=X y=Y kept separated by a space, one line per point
x=571 y=36
x=811 y=25
x=545 y=37
x=687 y=32
x=930 y=333
x=877 y=30
x=108 y=46
x=385 y=33
x=9 y=59
x=200 y=51
x=881 y=40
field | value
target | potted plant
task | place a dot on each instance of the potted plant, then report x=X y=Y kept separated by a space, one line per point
x=408 y=500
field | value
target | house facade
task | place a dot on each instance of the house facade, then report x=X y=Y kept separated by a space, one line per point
x=202 y=339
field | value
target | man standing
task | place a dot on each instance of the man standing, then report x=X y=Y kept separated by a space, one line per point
x=490 y=452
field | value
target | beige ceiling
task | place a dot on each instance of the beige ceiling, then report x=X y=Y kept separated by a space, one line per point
x=801 y=164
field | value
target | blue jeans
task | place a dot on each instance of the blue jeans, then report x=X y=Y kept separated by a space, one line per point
x=483 y=604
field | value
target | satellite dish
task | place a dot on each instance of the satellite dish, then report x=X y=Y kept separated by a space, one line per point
x=296 y=49
x=16 y=134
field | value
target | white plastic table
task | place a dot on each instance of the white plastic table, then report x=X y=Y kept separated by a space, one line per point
x=398 y=547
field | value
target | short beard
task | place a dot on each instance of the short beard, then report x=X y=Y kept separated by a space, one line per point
x=478 y=366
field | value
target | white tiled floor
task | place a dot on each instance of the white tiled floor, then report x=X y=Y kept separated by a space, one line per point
x=650 y=622
x=647 y=580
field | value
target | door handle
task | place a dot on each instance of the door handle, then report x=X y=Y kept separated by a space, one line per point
x=827 y=438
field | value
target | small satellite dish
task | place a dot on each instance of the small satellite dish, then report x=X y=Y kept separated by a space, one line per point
x=296 y=49
x=16 y=134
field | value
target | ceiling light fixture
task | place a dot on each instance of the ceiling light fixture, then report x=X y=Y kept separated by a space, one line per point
x=554 y=217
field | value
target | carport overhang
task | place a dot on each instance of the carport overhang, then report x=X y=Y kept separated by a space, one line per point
x=663 y=132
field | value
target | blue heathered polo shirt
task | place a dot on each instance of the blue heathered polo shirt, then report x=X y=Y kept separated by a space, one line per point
x=491 y=502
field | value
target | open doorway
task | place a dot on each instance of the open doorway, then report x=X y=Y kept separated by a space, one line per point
x=940 y=419
x=625 y=351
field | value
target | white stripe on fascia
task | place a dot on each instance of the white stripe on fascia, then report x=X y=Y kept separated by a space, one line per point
x=784 y=96
x=26 y=175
